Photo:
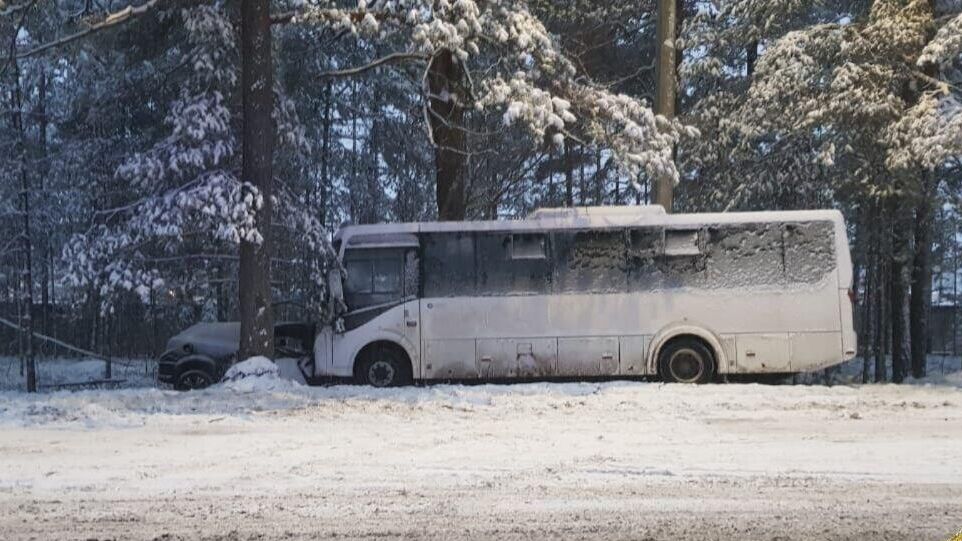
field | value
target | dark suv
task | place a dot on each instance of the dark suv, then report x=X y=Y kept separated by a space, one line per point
x=199 y=355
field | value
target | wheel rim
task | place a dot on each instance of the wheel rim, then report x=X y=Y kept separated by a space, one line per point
x=381 y=373
x=195 y=381
x=686 y=365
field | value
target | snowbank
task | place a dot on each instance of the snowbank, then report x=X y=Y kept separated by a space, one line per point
x=257 y=374
x=255 y=367
x=246 y=398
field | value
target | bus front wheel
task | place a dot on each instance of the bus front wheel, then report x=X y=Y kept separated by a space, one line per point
x=686 y=360
x=383 y=366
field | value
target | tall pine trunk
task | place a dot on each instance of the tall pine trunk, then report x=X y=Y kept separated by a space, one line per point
x=569 y=176
x=897 y=290
x=26 y=240
x=751 y=58
x=882 y=247
x=445 y=117
x=866 y=252
x=257 y=84
x=666 y=85
x=921 y=276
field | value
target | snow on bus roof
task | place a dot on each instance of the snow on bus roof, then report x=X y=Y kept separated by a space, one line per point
x=589 y=217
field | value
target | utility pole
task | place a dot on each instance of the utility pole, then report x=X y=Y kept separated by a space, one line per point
x=666 y=87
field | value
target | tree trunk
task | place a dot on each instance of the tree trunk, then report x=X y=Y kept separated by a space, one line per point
x=326 y=155
x=897 y=293
x=43 y=123
x=26 y=246
x=864 y=254
x=354 y=191
x=666 y=85
x=751 y=58
x=569 y=177
x=878 y=346
x=921 y=297
x=599 y=181
x=254 y=283
x=445 y=117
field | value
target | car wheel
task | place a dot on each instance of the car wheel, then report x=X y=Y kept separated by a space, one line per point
x=193 y=379
x=384 y=367
x=686 y=360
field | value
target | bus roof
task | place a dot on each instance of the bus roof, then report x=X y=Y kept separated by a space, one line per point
x=587 y=218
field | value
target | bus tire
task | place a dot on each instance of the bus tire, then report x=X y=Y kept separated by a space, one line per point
x=686 y=360
x=383 y=365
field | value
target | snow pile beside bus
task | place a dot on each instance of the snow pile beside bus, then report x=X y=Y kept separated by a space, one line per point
x=255 y=374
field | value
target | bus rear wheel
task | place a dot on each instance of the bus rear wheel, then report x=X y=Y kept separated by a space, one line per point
x=383 y=366
x=686 y=360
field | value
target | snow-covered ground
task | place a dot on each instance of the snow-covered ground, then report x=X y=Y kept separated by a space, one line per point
x=271 y=459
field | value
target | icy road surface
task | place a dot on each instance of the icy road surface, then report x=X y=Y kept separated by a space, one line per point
x=589 y=461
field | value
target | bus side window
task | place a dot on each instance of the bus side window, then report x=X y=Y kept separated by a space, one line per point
x=590 y=262
x=513 y=264
x=746 y=255
x=646 y=247
x=412 y=273
x=809 y=249
x=682 y=242
x=684 y=261
x=449 y=266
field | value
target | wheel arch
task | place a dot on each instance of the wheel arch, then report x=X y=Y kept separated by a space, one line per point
x=383 y=342
x=686 y=329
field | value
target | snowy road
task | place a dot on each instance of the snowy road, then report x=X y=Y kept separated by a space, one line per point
x=608 y=461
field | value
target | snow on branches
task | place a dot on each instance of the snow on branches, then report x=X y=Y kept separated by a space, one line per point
x=190 y=206
x=945 y=49
x=860 y=89
x=530 y=80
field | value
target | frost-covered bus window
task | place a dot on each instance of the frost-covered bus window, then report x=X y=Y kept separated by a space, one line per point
x=528 y=246
x=448 y=264
x=646 y=246
x=809 y=251
x=683 y=271
x=502 y=272
x=681 y=242
x=745 y=255
x=590 y=262
x=412 y=273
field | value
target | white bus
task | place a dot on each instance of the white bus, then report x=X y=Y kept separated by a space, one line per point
x=592 y=292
